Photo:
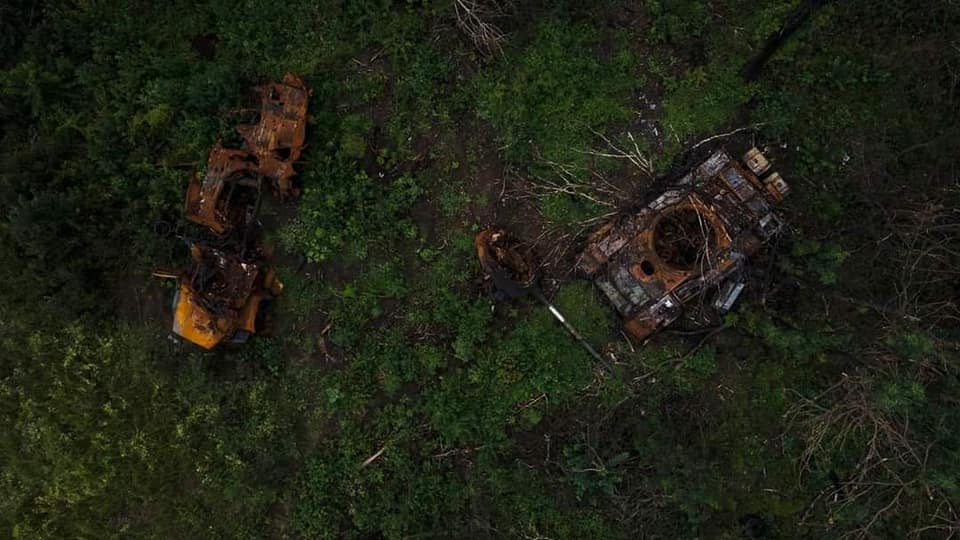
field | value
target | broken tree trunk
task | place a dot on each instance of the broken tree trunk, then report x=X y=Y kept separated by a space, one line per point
x=802 y=14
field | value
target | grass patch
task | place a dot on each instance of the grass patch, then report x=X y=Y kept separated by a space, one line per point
x=565 y=83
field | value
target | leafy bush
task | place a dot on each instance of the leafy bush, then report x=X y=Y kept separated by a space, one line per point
x=703 y=100
x=821 y=259
x=555 y=92
x=792 y=344
x=343 y=207
x=360 y=302
x=678 y=22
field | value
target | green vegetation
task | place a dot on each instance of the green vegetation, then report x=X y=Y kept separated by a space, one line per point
x=545 y=102
x=395 y=398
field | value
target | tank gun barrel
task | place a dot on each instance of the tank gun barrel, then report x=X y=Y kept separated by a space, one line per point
x=571 y=330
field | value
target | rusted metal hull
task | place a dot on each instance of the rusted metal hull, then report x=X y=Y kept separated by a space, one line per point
x=219 y=297
x=272 y=147
x=691 y=239
x=278 y=138
x=217 y=202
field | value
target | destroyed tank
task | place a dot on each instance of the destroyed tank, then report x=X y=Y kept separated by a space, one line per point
x=690 y=242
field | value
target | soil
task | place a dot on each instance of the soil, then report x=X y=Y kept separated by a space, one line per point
x=205 y=45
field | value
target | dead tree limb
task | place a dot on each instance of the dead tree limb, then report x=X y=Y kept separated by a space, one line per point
x=633 y=155
x=891 y=460
x=473 y=18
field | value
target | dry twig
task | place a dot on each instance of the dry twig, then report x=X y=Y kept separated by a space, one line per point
x=473 y=17
x=891 y=460
x=633 y=155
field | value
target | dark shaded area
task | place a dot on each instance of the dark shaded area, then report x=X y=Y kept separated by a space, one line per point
x=683 y=238
x=205 y=45
x=793 y=23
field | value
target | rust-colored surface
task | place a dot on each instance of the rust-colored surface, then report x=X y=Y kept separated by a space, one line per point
x=277 y=139
x=688 y=241
x=226 y=196
x=222 y=200
x=219 y=297
x=500 y=256
x=506 y=266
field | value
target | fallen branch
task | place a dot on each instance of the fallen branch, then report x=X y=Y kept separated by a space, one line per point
x=374 y=457
x=891 y=461
x=634 y=156
x=725 y=135
x=473 y=18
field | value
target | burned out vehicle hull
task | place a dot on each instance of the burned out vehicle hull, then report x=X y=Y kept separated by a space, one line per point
x=226 y=197
x=278 y=138
x=219 y=297
x=692 y=240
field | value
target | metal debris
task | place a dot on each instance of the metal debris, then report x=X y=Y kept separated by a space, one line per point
x=501 y=260
x=514 y=275
x=219 y=297
x=692 y=240
x=226 y=198
x=277 y=140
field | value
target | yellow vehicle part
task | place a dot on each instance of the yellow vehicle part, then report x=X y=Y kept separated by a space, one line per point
x=194 y=323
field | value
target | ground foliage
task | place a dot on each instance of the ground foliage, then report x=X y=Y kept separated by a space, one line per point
x=395 y=398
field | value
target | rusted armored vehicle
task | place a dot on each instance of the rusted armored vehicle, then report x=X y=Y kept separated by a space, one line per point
x=278 y=137
x=227 y=196
x=690 y=242
x=219 y=297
